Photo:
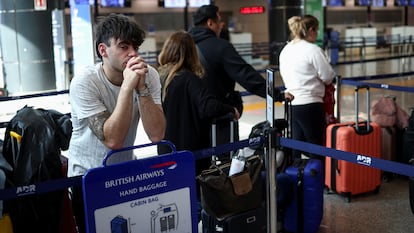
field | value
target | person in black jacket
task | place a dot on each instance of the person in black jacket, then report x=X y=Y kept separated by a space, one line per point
x=224 y=66
x=188 y=105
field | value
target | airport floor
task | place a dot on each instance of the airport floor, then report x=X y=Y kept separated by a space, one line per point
x=387 y=211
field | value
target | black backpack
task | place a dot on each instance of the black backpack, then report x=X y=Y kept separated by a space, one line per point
x=32 y=146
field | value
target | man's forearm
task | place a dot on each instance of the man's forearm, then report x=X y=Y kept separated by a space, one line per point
x=153 y=119
x=117 y=125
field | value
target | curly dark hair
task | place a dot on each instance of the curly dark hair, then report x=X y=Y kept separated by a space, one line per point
x=120 y=27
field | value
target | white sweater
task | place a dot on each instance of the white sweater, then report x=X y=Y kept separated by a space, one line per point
x=305 y=70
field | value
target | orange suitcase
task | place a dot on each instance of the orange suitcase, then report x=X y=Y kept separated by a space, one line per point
x=348 y=178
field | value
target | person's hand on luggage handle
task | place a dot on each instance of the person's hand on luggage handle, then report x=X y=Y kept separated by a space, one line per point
x=288 y=96
x=236 y=114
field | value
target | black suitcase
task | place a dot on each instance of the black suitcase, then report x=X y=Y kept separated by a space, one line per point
x=252 y=221
x=408 y=141
x=407 y=146
x=408 y=154
x=411 y=191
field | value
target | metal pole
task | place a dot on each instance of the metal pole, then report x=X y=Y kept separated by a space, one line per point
x=186 y=27
x=338 y=97
x=270 y=163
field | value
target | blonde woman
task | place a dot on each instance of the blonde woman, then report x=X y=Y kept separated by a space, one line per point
x=305 y=71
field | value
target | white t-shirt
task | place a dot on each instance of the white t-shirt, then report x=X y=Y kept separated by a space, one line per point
x=305 y=70
x=91 y=93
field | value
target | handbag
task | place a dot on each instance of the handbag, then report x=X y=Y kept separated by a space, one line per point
x=383 y=111
x=223 y=196
x=329 y=104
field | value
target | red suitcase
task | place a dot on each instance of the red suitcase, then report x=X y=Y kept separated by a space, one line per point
x=349 y=178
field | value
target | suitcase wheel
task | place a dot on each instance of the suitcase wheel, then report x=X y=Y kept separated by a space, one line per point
x=376 y=191
x=347 y=197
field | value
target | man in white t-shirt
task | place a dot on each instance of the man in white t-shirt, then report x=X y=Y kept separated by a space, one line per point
x=109 y=99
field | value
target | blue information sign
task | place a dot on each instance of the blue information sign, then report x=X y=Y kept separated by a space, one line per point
x=335 y=3
x=155 y=194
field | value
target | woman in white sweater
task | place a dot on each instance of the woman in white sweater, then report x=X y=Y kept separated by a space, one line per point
x=305 y=71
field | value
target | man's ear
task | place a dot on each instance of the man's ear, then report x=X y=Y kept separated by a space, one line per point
x=102 y=49
x=210 y=23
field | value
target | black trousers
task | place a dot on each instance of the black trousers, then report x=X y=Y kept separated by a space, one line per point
x=308 y=125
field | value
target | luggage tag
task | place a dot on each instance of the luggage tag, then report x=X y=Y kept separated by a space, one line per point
x=238 y=163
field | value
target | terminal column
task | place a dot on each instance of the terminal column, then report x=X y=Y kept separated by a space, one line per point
x=26 y=45
x=279 y=13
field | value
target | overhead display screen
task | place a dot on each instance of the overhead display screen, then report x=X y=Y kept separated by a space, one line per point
x=182 y=3
x=198 y=3
x=174 y=3
x=115 y=3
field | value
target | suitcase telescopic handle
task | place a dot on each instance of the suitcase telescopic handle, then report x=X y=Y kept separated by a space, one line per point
x=288 y=117
x=229 y=117
x=112 y=152
x=357 y=107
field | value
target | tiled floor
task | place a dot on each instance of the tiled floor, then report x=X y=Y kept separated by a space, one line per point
x=388 y=211
x=385 y=212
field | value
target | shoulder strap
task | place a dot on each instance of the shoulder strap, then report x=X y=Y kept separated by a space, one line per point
x=202 y=59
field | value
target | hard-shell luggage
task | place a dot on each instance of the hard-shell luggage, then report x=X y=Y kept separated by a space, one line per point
x=252 y=221
x=411 y=189
x=408 y=146
x=305 y=212
x=363 y=138
x=407 y=155
x=408 y=141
